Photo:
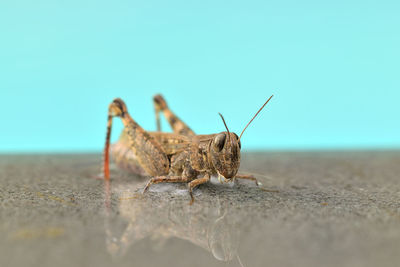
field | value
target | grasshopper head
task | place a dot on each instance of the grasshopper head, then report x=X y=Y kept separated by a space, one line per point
x=225 y=149
x=117 y=108
x=225 y=154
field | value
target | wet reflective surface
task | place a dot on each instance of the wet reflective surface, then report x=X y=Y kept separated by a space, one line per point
x=211 y=225
x=313 y=209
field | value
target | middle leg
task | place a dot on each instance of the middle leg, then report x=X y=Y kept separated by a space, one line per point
x=195 y=183
x=166 y=179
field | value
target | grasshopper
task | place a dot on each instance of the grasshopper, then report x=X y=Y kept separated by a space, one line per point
x=178 y=157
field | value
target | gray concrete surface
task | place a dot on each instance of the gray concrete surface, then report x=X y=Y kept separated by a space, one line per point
x=314 y=209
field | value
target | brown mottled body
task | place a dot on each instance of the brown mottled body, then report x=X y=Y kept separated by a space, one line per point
x=181 y=156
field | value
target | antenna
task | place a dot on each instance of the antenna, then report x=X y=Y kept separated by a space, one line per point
x=222 y=117
x=254 y=116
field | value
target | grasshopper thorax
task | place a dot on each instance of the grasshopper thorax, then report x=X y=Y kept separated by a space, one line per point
x=225 y=154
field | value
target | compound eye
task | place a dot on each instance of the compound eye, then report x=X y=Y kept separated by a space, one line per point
x=219 y=142
x=237 y=138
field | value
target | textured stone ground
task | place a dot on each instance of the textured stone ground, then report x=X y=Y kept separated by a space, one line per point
x=314 y=209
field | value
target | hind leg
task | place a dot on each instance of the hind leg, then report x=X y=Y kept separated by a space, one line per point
x=124 y=157
x=177 y=125
x=148 y=151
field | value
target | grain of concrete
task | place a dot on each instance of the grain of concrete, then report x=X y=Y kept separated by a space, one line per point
x=314 y=209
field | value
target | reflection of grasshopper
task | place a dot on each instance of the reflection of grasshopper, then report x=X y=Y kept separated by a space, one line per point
x=181 y=156
x=212 y=226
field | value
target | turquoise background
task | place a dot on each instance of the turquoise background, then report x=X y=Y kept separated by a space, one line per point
x=333 y=67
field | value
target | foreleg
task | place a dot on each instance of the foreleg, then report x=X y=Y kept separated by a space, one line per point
x=247 y=177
